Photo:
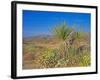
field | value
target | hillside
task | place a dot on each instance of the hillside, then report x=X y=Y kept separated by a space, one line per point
x=45 y=51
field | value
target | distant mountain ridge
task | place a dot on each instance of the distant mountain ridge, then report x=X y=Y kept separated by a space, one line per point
x=37 y=37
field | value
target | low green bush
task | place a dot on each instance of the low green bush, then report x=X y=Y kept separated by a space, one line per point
x=49 y=58
x=85 y=59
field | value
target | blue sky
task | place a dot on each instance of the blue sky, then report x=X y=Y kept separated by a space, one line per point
x=42 y=22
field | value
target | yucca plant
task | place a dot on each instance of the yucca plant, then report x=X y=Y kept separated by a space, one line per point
x=62 y=32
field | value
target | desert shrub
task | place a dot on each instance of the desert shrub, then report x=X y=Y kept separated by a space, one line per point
x=62 y=62
x=73 y=61
x=85 y=59
x=49 y=58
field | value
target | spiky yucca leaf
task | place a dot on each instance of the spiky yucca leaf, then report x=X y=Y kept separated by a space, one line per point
x=62 y=31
